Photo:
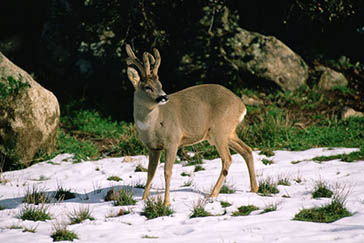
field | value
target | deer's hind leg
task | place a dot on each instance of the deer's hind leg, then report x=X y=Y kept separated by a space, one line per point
x=246 y=152
x=223 y=150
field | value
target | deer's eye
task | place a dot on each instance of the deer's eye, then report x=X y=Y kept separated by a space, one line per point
x=148 y=88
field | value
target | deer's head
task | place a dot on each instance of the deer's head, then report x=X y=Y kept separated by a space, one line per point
x=146 y=81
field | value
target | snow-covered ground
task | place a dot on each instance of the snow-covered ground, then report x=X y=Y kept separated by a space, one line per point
x=89 y=181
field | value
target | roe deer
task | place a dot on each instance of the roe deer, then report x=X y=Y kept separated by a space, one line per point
x=203 y=112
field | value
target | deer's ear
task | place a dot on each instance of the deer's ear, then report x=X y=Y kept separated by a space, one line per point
x=133 y=76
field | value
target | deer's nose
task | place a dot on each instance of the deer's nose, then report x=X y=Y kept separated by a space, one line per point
x=162 y=99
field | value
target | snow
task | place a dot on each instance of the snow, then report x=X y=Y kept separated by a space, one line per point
x=89 y=181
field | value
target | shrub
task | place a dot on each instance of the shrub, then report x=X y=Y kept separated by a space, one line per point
x=154 y=207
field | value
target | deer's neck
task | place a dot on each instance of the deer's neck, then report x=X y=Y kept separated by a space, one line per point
x=145 y=117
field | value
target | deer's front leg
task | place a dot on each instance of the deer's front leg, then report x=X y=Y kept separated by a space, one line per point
x=154 y=156
x=168 y=166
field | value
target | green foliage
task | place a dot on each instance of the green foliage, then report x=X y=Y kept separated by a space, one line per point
x=82 y=150
x=121 y=197
x=267 y=187
x=321 y=190
x=267 y=162
x=198 y=168
x=63 y=194
x=35 y=213
x=81 y=215
x=351 y=157
x=140 y=168
x=154 y=207
x=114 y=178
x=225 y=204
x=199 y=210
x=270 y=208
x=61 y=233
x=244 y=210
x=324 y=214
x=12 y=87
x=91 y=123
x=35 y=195
x=283 y=181
x=227 y=189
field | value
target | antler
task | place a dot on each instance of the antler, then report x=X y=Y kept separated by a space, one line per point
x=157 y=61
x=147 y=59
x=134 y=60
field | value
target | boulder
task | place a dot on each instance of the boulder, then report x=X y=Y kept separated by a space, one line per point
x=251 y=100
x=267 y=58
x=348 y=112
x=330 y=78
x=29 y=116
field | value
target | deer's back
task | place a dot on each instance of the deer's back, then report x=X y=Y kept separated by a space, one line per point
x=198 y=109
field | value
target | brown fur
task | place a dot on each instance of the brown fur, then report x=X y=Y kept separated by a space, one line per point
x=203 y=112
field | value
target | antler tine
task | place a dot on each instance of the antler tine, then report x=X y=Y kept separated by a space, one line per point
x=134 y=60
x=148 y=59
x=157 y=61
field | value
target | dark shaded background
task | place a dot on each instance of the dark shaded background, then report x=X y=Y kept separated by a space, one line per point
x=76 y=48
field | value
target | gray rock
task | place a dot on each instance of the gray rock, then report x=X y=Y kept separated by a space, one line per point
x=330 y=78
x=348 y=112
x=29 y=115
x=267 y=58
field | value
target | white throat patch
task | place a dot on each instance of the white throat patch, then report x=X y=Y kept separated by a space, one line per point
x=141 y=125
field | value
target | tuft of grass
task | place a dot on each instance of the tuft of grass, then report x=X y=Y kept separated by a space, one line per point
x=77 y=217
x=267 y=187
x=64 y=194
x=267 y=152
x=199 y=209
x=114 y=178
x=61 y=233
x=267 y=162
x=187 y=183
x=283 y=181
x=149 y=237
x=121 y=197
x=185 y=174
x=30 y=229
x=270 y=208
x=36 y=195
x=227 y=189
x=154 y=207
x=198 y=168
x=225 y=204
x=140 y=168
x=321 y=189
x=244 y=210
x=326 y=213
x=34 y=213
